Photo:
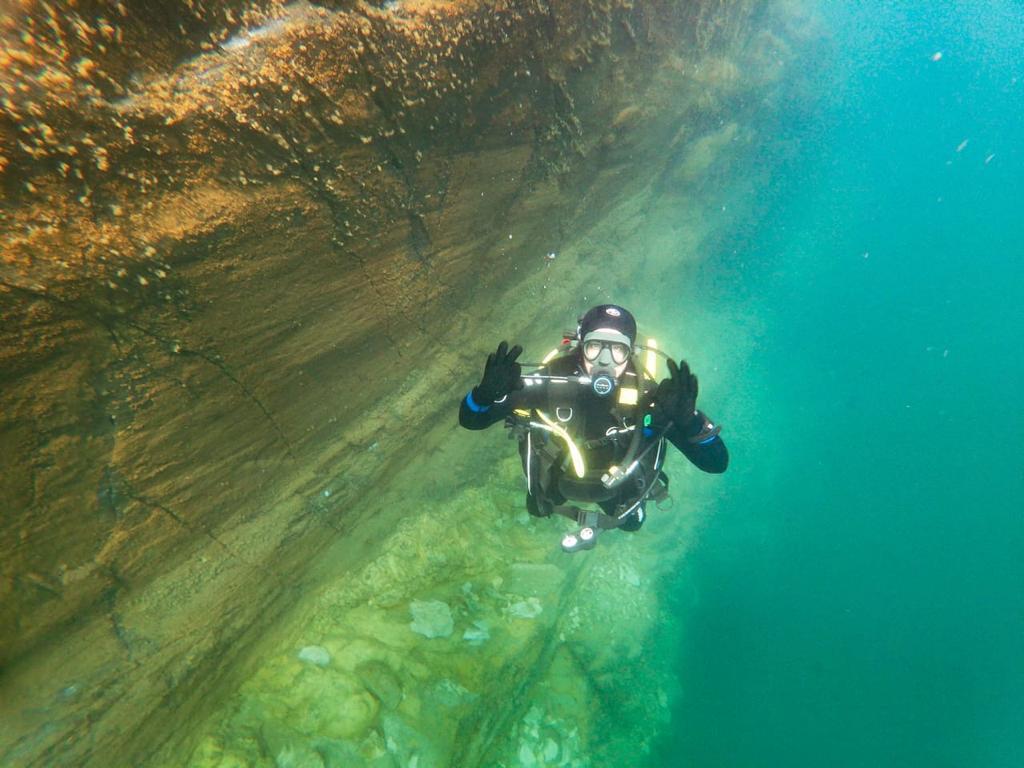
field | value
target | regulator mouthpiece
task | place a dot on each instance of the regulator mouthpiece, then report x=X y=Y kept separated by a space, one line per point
x=603 y=384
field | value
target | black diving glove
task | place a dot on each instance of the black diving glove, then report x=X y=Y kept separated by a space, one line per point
x=676 y=399
x=502 y=375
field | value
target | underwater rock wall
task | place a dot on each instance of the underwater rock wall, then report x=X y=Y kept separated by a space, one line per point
x=471 y=639
x=251 y=253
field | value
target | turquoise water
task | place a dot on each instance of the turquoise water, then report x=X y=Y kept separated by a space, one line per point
x=857 y=598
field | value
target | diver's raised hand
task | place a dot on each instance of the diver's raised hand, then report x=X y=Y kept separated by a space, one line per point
x=502 y=374
x=676 y=397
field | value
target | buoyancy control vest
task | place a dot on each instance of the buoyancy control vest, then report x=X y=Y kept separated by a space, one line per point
x=579 y=446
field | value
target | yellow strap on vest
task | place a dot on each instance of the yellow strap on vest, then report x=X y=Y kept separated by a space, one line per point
x=651 y=361
x=574 y=451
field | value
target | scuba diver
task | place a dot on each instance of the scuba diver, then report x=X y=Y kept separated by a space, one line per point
x=592 y=423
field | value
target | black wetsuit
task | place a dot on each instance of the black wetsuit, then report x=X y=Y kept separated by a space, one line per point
x=588 y=418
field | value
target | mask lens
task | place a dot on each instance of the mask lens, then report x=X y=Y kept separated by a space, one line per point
x=592 y=350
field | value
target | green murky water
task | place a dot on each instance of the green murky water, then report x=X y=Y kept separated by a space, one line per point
x=856 y=595
x=857 y=599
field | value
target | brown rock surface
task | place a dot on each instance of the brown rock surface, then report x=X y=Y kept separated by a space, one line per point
x=228 y=236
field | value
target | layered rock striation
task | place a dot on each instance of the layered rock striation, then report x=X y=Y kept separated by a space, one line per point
x=251 y=252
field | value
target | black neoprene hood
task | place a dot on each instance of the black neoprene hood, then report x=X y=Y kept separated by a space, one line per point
x=608 y=316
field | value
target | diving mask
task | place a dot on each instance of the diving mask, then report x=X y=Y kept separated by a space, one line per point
x=593 y=348
x=605 y=354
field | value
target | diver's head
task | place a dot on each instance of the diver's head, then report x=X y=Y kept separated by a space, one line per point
x=606 y=333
